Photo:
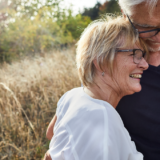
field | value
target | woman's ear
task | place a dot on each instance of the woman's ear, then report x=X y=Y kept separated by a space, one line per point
x=97 y=66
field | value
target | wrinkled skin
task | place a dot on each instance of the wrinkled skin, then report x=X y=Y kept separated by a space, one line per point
x=143 y=21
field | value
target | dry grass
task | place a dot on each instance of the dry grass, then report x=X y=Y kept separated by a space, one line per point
x=29 y=91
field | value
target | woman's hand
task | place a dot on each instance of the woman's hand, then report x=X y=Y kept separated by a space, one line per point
x=47 y=156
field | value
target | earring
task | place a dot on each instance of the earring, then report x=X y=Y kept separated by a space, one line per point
x=103 y=74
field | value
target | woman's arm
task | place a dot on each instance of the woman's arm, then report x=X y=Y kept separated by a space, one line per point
x=50 y=133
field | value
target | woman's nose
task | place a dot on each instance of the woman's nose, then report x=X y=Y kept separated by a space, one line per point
x=143 y=64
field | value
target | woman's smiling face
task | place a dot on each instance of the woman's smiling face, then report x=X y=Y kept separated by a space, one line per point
x=126 y=73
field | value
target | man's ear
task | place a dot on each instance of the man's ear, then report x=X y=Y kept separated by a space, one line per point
x=97 y=66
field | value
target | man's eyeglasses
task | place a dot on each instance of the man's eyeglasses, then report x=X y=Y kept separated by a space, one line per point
x=145 y=34
x=138 y=54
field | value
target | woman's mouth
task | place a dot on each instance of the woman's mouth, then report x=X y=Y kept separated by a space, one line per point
x=135 y=75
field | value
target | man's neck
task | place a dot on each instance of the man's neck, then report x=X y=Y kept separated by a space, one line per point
x=154 y=58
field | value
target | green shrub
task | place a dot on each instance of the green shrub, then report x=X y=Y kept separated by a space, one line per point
x=40 y=33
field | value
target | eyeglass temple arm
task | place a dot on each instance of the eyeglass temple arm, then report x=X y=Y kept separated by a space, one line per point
x=131 y=23
x=126 y=50
x=157 y=29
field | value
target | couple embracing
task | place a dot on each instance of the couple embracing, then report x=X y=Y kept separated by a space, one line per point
x=112 y=57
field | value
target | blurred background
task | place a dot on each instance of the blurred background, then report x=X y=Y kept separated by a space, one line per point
x=37 y=66
x=37 y=26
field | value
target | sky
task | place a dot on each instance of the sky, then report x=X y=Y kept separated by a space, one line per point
x=80 y=4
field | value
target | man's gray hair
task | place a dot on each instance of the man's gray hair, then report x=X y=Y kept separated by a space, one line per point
x=128 y=5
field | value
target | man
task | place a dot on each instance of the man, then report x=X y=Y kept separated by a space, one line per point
x=141 y=112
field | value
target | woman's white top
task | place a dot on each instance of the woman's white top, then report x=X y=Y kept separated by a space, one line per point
x=89 y=129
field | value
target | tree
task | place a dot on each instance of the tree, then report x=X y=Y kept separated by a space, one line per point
x=93 y=13
x=110 y=7
x=35 y=26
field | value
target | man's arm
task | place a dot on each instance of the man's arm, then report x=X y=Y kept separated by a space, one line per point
x=50 y=133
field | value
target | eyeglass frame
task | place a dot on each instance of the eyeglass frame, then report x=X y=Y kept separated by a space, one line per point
x=133 y=50
x=157 y=29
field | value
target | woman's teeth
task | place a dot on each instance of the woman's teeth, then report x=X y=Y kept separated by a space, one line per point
x=136 y=75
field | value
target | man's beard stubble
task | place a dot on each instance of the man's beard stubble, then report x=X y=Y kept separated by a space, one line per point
x=151 y=49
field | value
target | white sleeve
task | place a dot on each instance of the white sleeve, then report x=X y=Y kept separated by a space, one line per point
x=80 y=137
x=61 y=146
x=59 y=104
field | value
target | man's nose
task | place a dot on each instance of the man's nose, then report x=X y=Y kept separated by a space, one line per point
x=143 y=64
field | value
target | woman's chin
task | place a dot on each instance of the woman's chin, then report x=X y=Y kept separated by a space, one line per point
x=138 y=88
x=135 y=89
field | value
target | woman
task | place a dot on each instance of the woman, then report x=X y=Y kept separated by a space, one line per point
x=110 y=62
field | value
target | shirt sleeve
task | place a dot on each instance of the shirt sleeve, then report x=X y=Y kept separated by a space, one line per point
x=59 y=104
x=79 y=137
x=61 y=147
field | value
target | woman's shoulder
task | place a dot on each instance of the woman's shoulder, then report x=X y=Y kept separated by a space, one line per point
x=71 y=93
x=76 y=100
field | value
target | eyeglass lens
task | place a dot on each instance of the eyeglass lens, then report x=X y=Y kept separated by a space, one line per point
x=138 y=55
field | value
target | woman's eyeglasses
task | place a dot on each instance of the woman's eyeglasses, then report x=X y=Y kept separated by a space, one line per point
x=138 y=54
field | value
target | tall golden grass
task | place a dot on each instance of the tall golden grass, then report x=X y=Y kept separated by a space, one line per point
x=29 y=91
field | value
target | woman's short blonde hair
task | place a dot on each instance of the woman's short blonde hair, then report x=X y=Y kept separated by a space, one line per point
x=99 y=41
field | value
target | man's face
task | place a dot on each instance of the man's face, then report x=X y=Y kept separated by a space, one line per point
x=143 y=22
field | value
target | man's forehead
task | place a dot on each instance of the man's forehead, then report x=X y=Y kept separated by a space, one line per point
x=142 y=17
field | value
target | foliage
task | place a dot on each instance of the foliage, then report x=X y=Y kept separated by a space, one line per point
x=110 y=7
x=74 y=24
x=38 y=28
x=93 y=13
